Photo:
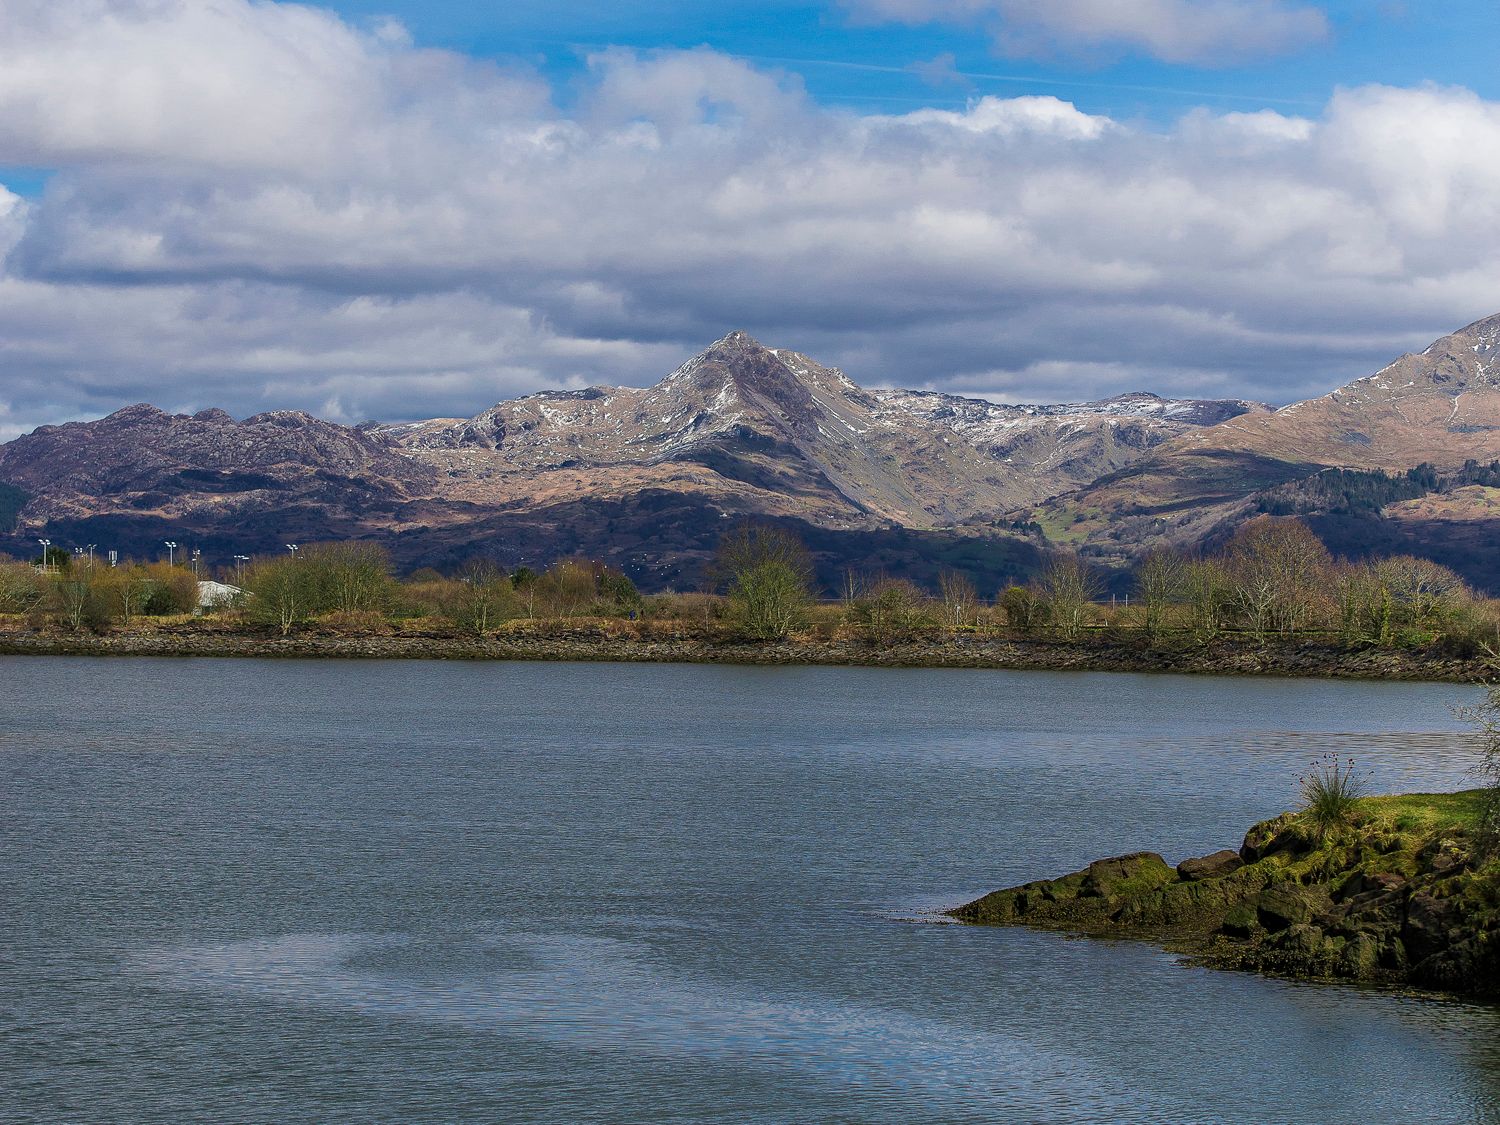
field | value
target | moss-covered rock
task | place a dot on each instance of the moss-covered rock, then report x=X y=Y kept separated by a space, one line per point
x=1397 y=895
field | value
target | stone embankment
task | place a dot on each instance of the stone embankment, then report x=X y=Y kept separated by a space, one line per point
x=1400 y=897
x=612 y=642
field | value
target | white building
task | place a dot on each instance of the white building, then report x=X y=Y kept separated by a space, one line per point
x=214 y=594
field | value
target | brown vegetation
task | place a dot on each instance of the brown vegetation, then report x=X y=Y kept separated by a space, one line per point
x=1273 y=582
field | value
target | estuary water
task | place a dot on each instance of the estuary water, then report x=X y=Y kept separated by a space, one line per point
x=277 y=891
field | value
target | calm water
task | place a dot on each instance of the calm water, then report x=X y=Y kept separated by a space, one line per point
x=249 y=891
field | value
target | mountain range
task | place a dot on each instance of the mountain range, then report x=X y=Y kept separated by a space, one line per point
x=898 y=481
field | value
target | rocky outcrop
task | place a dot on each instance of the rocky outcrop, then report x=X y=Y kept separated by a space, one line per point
x=1400 y=896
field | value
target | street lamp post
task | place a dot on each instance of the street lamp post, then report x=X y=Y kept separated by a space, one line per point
x=292 y=547
x=46 y=555
x=239 y=569
x=171 y=552
x=197 y=555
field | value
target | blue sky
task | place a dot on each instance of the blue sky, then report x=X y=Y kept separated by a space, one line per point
x=1445 y=41
x=391 y=209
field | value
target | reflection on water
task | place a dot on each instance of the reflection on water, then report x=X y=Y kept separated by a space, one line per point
x=392 y=892
x=602 y=993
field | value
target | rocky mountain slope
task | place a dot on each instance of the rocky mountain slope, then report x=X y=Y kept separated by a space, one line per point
x=777 y=432
x=1440 y=407
x=141 y=473
x=740 y=430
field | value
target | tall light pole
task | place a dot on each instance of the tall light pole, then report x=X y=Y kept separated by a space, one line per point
x=239 y=569
x=197 y=554
x=171 y=552
x=91 y=556
x=46 y=555
x=292 y=547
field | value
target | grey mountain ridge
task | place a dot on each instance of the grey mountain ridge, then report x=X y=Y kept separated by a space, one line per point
x=739 y=431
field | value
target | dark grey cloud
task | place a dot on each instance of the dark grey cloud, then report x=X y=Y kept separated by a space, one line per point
x=256 y=205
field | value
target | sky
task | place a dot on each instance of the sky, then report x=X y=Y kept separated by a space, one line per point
x=383 y=209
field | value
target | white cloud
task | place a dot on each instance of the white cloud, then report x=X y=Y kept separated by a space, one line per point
x=1205 y=32
x=414 y=233
x=1008 y=116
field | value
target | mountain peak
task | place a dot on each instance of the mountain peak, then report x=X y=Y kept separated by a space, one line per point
x=1488 y=326
x=139 y=412
x=738 y=339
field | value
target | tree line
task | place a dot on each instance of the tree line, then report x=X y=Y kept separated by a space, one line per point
x=1274 y=578
x=83 y=595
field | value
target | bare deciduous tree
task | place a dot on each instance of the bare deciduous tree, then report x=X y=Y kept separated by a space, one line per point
x=1206 y=587
x=568 y=588
x=347 y=577
x=485 y=596
x=1279 y=574
x=1069 y=588
x=130 y=589
x=281 y=593
x=1161 y=578
x=960 y=599
x=1425 y=591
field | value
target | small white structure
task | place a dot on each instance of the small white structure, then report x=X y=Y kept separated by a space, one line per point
x=214 y=594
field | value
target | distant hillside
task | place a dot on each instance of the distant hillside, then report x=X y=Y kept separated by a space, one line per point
x=902 y=482
x=12 y=499
x=882 y=480
x=1439 y=409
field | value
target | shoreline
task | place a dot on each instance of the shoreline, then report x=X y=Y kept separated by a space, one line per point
x=1401 y=896
x=1225 y=658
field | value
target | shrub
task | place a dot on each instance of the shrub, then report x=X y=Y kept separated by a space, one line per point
x=769 y=575
x=20 y=588
x=1024 y=611
x=895 y=611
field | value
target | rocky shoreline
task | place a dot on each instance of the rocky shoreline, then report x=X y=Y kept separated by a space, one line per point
x=613 y=643
x=1400 y=897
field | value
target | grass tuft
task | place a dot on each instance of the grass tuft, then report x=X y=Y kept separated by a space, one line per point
x=1330 y=794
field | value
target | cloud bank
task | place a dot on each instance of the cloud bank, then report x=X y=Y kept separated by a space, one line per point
x=256 y=205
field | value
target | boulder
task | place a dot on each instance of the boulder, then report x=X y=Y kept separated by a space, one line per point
x=1290 y=904
x=1428 y=921
x=1126 y=874
x=1284 y=834
x=1367 y=882
x=1242 y=921
x=1360 y=958
x=1210 y=866
x=1302 y=941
